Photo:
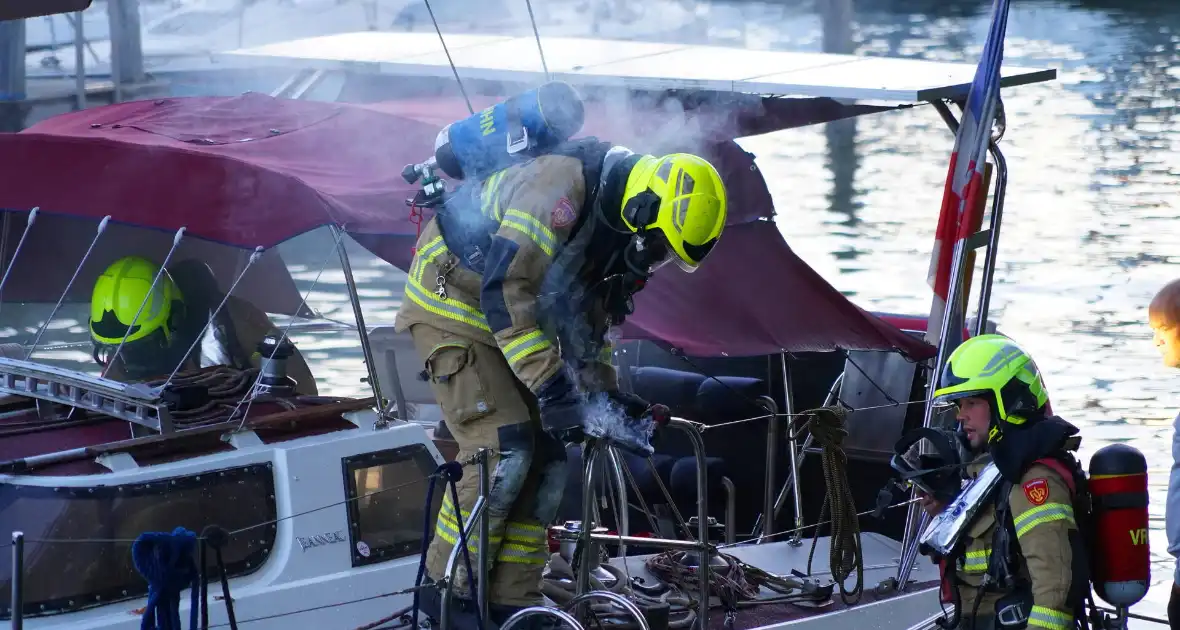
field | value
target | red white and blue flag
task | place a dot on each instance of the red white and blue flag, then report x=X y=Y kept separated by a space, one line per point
x=964 y=179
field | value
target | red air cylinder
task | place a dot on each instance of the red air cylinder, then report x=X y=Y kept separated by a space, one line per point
x=1121 y=564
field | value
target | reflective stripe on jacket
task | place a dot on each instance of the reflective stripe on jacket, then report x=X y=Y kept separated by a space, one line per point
x=1042 y=513
x=536 y=205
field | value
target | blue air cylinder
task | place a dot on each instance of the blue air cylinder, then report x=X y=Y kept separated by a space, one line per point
x=522 y=127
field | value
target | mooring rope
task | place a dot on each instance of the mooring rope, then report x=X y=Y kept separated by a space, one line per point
x=828 y=428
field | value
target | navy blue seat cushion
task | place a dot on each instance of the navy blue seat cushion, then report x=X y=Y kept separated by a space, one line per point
x=695 y=395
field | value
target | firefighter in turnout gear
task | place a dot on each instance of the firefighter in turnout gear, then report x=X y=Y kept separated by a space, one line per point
x=1023 y=562
x=512 y=290
x=169 y=317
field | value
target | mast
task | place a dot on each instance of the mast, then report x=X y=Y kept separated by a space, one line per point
x=13 y=83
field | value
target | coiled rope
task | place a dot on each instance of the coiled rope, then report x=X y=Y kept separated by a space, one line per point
x=827 y=426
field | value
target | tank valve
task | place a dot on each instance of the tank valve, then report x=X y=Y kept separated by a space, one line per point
x=433 y=186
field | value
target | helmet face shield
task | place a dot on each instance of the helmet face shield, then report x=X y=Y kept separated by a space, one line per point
x=952 y=399
x=143 y=358
x=682 y=198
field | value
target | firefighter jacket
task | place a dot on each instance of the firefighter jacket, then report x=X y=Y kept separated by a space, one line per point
x=1042 y=516
x=532 y=209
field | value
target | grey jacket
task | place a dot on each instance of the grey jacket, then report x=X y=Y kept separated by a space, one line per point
x=1172 y=512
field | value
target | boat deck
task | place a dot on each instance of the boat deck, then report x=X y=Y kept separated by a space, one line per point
x=881 y=556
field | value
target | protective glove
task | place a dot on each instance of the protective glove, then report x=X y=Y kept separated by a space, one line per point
x=562 y=414
x=632 y=405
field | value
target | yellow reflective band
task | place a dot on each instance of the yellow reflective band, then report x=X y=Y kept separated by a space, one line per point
x=490 y=195
x=976 y=561
x=523 y=346
x=431 y=250
x=1042 y=514
x=516 y=553
x=447 y=529
x=1043 y=617
x=447 y=510
x=606 y=354
x=449 y=308
x=532 y=228
x=526 y=529
x=429 y=300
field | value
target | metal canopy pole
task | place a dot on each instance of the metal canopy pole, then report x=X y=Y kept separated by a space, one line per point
x=989 y=260
x=772 y=437
x=79 y=61
x=485 y=484
x=792 y=443
x=17 y=603
x=355 y=298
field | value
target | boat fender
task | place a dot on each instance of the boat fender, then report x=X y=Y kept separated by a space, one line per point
x=166 y=562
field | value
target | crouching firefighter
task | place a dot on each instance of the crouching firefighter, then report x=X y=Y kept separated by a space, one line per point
x=1018 y=558
x=513 y=287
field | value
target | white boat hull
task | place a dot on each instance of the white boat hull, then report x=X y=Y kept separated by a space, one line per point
x=318 y=586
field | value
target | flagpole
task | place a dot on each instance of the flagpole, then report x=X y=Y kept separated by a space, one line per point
x=909 y=549
x=968 y=162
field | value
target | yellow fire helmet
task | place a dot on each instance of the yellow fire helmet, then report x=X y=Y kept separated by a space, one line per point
x=682 y=198
x=996 y=368
x=118 y=294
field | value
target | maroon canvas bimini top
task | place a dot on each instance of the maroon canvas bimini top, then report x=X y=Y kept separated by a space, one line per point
x=253 y=171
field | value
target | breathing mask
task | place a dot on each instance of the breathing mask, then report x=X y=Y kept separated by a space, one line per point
x=937 y=474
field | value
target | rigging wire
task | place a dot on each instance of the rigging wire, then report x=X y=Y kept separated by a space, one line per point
x=287 y=329
x=455 y=70
x=537 y=34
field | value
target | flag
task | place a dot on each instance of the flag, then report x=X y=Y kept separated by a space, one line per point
x=965 y=178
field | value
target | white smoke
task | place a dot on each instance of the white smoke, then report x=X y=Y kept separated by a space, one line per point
x=607 y=421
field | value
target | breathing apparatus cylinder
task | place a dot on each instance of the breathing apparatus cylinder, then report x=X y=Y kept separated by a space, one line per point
x=1118 y=491
x=519 y=128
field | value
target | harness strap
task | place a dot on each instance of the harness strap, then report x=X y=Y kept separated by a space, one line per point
x=1068 y=475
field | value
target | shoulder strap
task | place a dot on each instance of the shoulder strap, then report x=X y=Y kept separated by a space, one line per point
x=1057 y=466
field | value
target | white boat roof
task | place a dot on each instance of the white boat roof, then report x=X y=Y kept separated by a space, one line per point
x=639 y=65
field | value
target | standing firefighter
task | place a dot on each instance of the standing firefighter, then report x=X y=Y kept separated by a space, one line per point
x=510 y=295
x=1024 y=562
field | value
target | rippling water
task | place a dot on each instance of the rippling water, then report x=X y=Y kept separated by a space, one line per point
x=1089 y=232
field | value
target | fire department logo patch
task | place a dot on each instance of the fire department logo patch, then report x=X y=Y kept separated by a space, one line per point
x=563 y=214
x=1036 y=491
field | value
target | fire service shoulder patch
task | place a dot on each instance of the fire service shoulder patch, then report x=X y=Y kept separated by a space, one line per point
x=1036 y=491
x=563 y=214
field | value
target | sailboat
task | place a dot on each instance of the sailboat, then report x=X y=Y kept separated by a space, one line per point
x=322 y=500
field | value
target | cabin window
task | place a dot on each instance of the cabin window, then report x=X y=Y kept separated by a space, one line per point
x=386 y=509
x=89 y=562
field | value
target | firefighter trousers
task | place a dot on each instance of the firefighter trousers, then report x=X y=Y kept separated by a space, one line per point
x=486 y=406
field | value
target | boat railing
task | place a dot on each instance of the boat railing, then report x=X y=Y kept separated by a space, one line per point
x=772 y=504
